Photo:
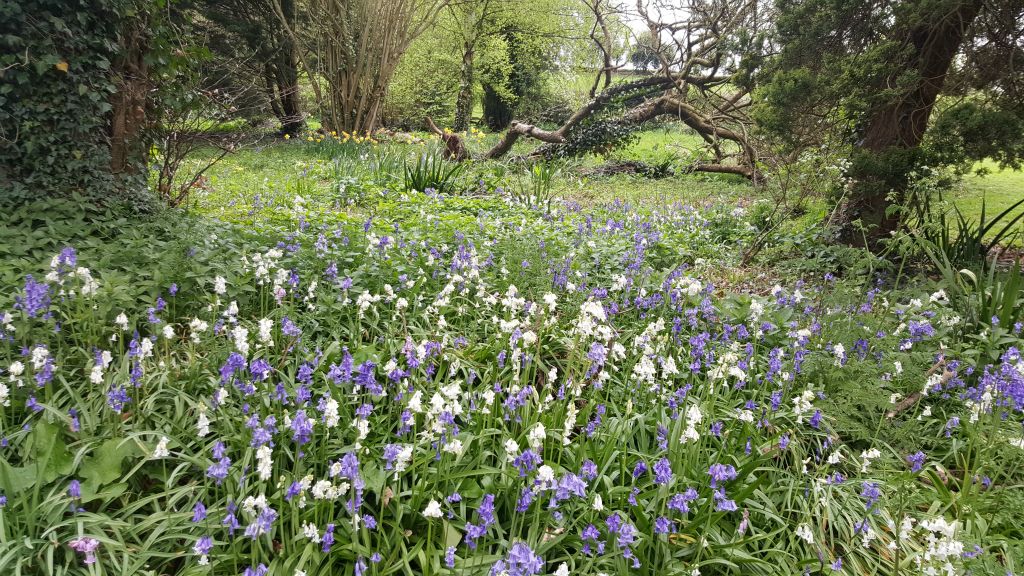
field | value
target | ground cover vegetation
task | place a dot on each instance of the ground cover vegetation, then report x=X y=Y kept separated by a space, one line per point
x=510 y=288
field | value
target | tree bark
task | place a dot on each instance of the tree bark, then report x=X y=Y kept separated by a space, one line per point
x=292 y=119
x=464 y=101
x=894 y=131
x=604 y=46
x=454 y=147
x=270 y=87
x=129 y=104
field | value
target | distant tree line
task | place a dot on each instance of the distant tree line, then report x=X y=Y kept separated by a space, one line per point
x=98 y=95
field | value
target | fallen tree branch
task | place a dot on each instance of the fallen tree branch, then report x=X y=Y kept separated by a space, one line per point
x=454 y=147
x=911 y=400
x=647 y=111
x=593 y=106
x=697 y=84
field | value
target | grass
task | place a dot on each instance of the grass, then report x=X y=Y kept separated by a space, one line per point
x=276 y=169
x=999 y=189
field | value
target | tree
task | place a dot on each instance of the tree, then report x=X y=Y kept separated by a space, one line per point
x=605 y=17
x=704 y=80
x=873 y=73
x=644 y=56
x=516 y=70
x=250 y=38
x=472 y=22
x=506 y=46
x=78 y=86
x=425 y=83
x=350 y=49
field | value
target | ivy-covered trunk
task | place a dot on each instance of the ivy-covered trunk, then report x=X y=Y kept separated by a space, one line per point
x=73 y=106
x=498 y=112
x=890 y=149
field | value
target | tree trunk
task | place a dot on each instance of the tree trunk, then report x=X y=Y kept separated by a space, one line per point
x=270 y=80
x=497 y=112
x=128 y=153
x=890 y=149
x=292 y=120
x=464 y=101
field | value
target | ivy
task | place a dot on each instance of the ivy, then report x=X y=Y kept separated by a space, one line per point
x=606 y=130
x=57 y=60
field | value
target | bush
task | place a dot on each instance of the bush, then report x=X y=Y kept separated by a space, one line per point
x=425 y=84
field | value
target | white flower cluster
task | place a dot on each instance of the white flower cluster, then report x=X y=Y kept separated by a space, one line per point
x=693 y=418
x=161 y=450
x=263 y=265
x=866 y=457
x=96 y=374
x=728 y=366
x=328 y=490
x=264 y=462
x=651 y=346
x=803 y=531
x=448 y=399
x=14 y=372
x=88 y=286
x=802 y=404
x=690 y=287
x=942 y=547
x=202 y=422
x=592 y=322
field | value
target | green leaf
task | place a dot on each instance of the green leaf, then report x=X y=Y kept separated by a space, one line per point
x=104 y=465
x=452 y=537
x=16 y=479
x=374 y=478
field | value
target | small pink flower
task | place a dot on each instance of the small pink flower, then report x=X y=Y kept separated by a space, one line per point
x=86 y=545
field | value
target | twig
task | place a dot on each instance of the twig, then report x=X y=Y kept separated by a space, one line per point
x=911 y=400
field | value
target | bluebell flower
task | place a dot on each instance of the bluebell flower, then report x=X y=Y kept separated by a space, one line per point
x=260 y=570
x=36 y=298
x=302 y=428
x=203 y=546
x=663 y=525
x=117 y=398
x=520 y=561
x=327 y=540
x=916 y=461
x=871 y=493
x=721 y=473
x=588 y=470
x=198 y=512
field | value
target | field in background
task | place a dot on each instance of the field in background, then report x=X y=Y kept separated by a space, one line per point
x=997 y=190
x=300 y=167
